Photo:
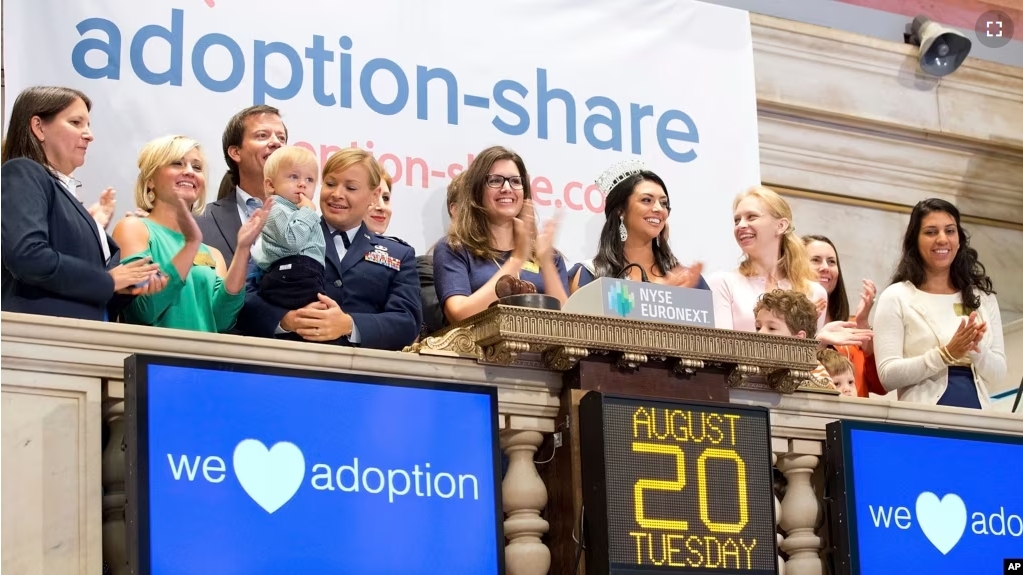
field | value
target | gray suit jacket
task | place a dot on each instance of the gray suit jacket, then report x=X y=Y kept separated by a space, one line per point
x=220 y=223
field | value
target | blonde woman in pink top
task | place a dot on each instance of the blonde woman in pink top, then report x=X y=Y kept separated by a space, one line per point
x=773 y=258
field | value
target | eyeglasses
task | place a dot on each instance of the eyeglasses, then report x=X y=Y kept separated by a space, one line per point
x=497 y=181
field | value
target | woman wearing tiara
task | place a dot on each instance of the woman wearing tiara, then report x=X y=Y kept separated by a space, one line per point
x=493 y=234
x=634 y=239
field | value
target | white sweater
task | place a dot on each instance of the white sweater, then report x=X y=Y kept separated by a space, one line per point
x=909 y=327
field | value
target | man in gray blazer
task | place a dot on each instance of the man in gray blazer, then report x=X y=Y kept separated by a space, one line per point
x=250 y=137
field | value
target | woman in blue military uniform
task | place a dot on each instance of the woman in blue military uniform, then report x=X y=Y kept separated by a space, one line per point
x=371 y=289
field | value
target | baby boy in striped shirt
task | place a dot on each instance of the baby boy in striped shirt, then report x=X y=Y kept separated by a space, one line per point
x=291 y=249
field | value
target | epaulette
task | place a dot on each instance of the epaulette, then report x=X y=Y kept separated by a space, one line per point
x=394 y=239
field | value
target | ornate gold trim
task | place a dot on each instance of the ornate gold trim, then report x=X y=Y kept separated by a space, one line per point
x=688 y=367
x=457 y=341
x=818 y=385
x=631 y=361
x=739 y=376
x=564 y=358
x=509 y=335
x=504 y=352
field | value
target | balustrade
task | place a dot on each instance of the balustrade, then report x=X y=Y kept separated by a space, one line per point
x=62 y=378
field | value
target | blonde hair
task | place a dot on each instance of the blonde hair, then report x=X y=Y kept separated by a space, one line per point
x=160 y=153
x=288 y=156
x=794 y=264
x=342 y=160
x=834 y=362
x=385 y=177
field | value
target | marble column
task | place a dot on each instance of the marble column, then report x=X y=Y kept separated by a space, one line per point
x=800 y=515
x=115 y=498
x=777 y=520
x=525 y=496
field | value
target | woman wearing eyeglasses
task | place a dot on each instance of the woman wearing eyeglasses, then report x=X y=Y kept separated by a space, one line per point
x=494 y=234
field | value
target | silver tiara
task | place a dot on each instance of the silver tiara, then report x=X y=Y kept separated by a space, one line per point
x=617 y=173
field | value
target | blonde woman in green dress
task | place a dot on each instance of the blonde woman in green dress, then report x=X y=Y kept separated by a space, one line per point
x=202 y=293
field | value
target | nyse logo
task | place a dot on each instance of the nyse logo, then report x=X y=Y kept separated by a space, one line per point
x=944 y=520
x=620 y=299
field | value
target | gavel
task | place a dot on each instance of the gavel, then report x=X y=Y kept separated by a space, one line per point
x=508 y=285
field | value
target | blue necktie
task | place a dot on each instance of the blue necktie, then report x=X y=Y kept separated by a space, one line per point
x=251 y=205
x=344 y=238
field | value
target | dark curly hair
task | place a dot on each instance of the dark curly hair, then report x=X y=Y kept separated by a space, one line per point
x=794 y=307
x=967 y=274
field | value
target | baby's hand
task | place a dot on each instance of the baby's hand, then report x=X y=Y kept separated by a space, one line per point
x=304 y=202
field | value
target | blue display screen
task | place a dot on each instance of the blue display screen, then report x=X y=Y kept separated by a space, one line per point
x=252 y=473
x=926 y=504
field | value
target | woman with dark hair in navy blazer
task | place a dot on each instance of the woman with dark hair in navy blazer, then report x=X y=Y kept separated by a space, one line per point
x=56 y=258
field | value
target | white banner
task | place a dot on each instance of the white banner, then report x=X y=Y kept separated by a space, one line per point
x=571 y=85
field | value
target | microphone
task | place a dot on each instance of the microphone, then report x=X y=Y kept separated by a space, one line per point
x=1019 y=393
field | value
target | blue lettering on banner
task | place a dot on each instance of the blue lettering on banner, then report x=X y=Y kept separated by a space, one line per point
x=604 y=126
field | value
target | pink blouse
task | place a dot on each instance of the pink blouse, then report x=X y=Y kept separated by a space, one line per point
x=735 y=296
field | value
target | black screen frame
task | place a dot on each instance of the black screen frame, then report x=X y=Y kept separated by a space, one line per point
x=136 y=436
x=840 y=480
x=594 y=483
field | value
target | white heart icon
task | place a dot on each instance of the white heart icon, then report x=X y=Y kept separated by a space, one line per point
x=270 y=476
x=942 y=520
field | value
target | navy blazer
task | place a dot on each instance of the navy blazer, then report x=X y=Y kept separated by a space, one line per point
x=383 y=302
x=52 y=258
x=219 y=224
x=433 y=312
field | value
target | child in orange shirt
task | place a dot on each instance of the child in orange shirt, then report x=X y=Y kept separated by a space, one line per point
x=840 y=370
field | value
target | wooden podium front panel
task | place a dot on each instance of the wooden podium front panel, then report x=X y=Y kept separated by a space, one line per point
x=563 y=475
x=654 y=380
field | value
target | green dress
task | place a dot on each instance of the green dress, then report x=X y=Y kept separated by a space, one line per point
x=198 y=302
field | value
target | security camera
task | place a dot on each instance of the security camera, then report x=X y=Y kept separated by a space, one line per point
x=942 y=49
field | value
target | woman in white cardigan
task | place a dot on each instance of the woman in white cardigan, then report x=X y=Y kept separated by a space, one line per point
x=937 y=328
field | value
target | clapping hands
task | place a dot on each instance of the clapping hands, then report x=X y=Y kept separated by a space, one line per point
x=682 y=276
x=843 y=333
x=862 y=317
x=103 y=210
x=251 y=229
x=967 y=338
x=529 y=243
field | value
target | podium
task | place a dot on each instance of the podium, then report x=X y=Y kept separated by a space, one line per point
x=620 y=356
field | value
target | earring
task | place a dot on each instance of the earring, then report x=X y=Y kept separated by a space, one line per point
x=623 y=233
x=150 y=196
